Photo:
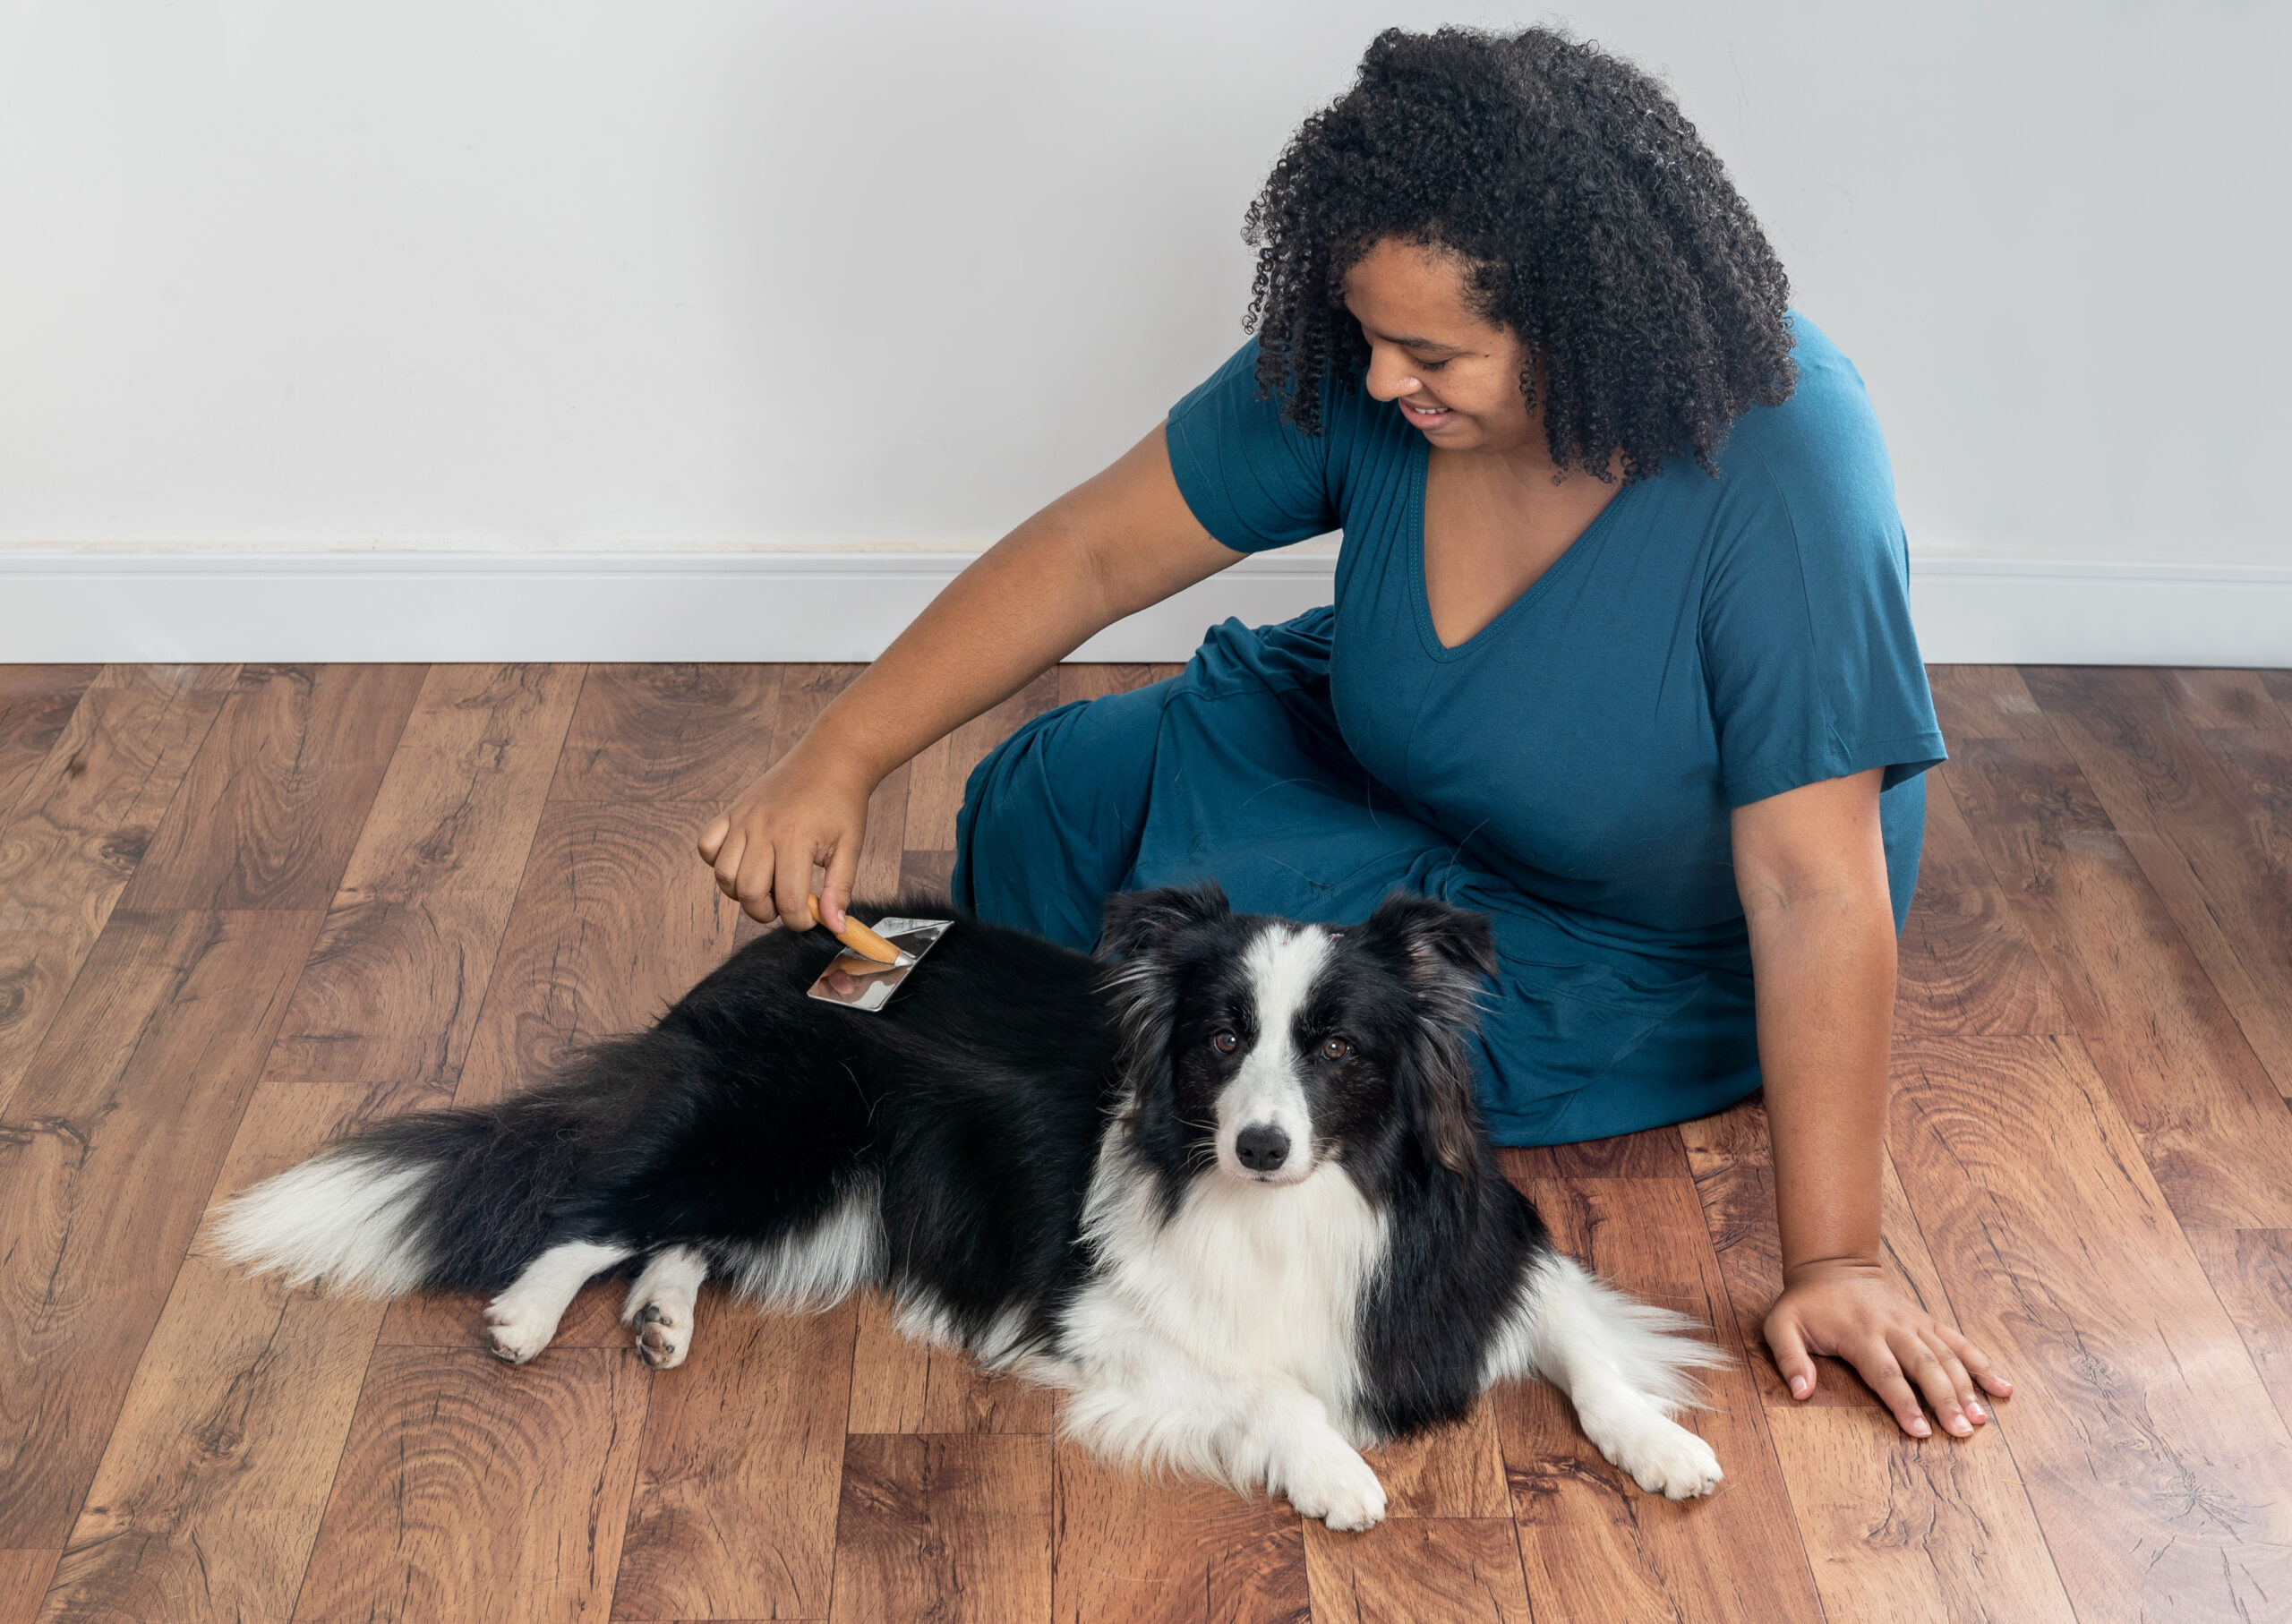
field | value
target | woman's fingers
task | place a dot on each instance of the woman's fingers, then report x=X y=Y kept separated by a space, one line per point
x=1788 y=1343
x=835 y=890
x=1883 y=1373
x=712 y=838
x=1978 y=1365
x=1961 y=1379
x=1919 y=1358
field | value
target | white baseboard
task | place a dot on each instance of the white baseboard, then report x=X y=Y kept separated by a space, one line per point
x=410 y=606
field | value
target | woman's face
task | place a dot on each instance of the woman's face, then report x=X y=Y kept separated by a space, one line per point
x=1453 y=376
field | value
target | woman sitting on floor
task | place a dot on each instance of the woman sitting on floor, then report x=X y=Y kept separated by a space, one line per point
x=1621 y=655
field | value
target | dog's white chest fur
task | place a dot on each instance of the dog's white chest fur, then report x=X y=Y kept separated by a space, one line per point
x=1243 y=1279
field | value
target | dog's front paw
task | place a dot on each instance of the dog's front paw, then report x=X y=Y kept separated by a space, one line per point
x=661 y=1337
x=1340 y=1488
x=1664 y=1458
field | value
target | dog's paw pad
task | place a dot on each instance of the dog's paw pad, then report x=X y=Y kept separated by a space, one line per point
x=1667 y=1459
x=661 y=1342
x=1343 y=1492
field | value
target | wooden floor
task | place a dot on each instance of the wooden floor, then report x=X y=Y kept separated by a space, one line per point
x=241 y=910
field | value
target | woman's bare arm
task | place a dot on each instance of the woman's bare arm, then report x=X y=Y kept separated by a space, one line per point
x=1114 y=544
x=1811 y=869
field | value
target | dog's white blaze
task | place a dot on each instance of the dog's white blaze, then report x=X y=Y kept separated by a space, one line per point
x=819 y=1266
x=340 y=1217
x=1267 y=1092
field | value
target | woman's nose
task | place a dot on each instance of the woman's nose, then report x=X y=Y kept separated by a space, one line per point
x=1390 y=378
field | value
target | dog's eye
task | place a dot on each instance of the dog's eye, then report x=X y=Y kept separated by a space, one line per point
x=1335 y=1048
x=1225 y=1043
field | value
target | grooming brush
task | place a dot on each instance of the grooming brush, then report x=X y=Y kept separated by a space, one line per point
x=874 y=963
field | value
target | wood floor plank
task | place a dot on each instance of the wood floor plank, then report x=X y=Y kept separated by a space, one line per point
x=899 y=1384
x=1411 y=1569
x=273 y=803
x=23 y=1581
x=614 y=921
x=210 y=1495
x=695 y=733
x=173 y=678
x=948 y=1528
x=735 y=1506
x=2210 y=1124
x=1984 y=702
x=81 y=825
x=2223 y=699
x=1132 y=1548
x=1734 y=1160
x=105 y=1163
x=1905 y=1531
x=2251 y=1271
x=1594 y=1546
x=1964 y=963
x=1651 y=1153
x=2161 y=1474
x=473 y=1490
x=1452 y=1472
x=2220 y=879
x=36 y=702
x=2278 y=684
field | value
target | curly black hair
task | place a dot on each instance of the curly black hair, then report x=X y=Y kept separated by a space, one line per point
x=1592 y=220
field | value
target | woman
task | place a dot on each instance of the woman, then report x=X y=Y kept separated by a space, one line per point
x=1620 y=653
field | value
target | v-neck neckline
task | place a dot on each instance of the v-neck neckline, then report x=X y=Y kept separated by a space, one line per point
x=1420 y=467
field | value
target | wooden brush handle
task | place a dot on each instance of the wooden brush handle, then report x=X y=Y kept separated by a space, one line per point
x=858 y=938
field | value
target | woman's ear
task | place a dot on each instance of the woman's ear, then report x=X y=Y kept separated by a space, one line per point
x=1137 y=921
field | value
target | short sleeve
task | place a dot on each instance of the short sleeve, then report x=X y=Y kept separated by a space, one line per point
x=1253 y=481
x=1808 y=649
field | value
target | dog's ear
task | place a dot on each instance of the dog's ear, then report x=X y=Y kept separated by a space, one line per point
x=1441 y=956
x=1138 y=920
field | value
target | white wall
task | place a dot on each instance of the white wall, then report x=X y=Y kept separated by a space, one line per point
x=498 y=274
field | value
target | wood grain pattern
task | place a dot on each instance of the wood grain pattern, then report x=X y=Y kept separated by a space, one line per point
x=2251 y=1271
x=1907 y=1532
x=1733 y=1159
x=117 y=1129
x=1595 y=1547
x=695 y=733
x=1965 y=964
x=274 y=801
x=81 y=822
x=24 y=1580
x=2278 y=684
x=614 y=920
x=902 y=1386
x=1456 y=1471
x=1134 y=1550
x=1984 y=702
x=2221 y=699
x=473 y=1490
x=2162 y=1476
x=735 y=1506
x=1651 y=1153
x=952 y=1529
x=210 y=1495
x=1414 y=1568
x=35 y=701
x=2210 y=1124
x=2225 y=887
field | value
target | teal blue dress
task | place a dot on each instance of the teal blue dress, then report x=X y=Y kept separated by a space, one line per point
x=1569 y=770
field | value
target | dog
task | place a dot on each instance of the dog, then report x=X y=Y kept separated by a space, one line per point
x=1225 y=1184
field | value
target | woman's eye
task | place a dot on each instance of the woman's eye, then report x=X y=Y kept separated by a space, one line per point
x=1430 y=366
x=1225 y=1043
x=1335 y=1048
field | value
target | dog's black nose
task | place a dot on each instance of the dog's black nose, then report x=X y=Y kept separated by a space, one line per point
x=1263 y=1147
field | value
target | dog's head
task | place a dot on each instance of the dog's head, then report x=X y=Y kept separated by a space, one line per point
x=1269 y=1047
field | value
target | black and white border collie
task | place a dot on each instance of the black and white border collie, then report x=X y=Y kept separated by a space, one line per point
x=1229 y=1191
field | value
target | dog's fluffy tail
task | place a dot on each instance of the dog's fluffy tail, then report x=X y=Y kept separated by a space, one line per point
x=444 y=1201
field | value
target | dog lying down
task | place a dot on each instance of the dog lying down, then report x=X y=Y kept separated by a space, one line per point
x=1229 y=1191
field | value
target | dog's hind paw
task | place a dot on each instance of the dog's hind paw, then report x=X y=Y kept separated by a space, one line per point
x=1341 y=1488
x=516 y=1336
x=662 y=1342
x=1664 y=1458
